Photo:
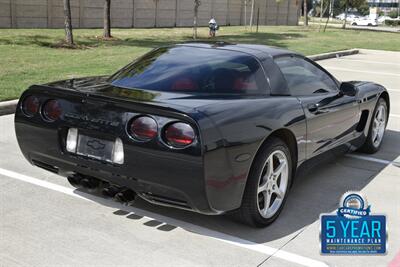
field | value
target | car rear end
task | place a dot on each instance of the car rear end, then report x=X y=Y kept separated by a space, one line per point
x=148 y=147
x=164 y=140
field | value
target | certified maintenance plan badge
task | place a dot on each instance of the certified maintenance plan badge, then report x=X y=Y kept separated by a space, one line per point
x=353 y=230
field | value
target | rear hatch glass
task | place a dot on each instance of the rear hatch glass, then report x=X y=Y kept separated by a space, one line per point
x=185 y=69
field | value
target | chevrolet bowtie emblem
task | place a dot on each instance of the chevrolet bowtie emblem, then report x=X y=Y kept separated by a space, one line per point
x=95 y=144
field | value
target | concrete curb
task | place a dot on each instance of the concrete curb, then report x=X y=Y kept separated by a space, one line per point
x=8 y=107
x=334 y=54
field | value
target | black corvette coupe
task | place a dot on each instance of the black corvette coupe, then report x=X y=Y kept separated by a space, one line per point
x=204 y=127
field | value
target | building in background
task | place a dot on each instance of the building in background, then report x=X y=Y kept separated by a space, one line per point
x=143 y=13
x=385 y=6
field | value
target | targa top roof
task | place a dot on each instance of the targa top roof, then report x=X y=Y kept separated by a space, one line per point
x=253 y=49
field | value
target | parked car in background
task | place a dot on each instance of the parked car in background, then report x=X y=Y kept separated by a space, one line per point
x=382 y=19
x=350 y=16
x=340 y=16
x=364 y=21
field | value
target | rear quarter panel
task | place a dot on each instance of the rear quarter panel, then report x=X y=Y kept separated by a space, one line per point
x=233 y=136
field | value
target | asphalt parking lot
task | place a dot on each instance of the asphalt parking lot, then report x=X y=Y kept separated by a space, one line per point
x=45 y=222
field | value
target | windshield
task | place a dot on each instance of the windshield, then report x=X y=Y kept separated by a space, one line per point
x=196 y=70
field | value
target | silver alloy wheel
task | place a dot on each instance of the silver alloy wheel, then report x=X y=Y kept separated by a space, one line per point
x=378 y=126
x=273 y=184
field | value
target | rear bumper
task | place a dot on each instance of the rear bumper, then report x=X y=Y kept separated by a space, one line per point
x=207 y=177
x=160 y=177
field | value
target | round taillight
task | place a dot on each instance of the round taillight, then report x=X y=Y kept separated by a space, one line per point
x=179 y=134
x=143 y=128
x=30 y=106
x=52 y=110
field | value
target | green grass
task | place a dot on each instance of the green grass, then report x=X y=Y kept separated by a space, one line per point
x=32 y=57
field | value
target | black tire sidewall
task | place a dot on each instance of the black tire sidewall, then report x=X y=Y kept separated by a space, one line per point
x=250 y=199
x=369 y=147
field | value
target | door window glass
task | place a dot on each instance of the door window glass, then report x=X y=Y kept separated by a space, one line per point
x=303 y=78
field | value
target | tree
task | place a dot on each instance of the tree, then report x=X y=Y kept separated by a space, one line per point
x=321 y=11
x=353 y=4
x=252 y=14
x=107 y=19
x=363 y=8
x=330 y=13
x=346 y=10
x=305 y=12
x=69 y=38
x=358 y=5
x=197 y=3
x=245 y=14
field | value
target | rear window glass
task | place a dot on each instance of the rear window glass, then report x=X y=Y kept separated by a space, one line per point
x=189 y=69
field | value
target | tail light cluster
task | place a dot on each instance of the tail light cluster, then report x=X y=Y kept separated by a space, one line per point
x=50 y=110
x=30 y=106
x=174 y=134
x=179 y=134
x=144 y=128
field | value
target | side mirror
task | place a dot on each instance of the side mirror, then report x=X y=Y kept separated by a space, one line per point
x=348 y=89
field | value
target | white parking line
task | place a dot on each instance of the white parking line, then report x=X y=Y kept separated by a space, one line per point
x=363 y=71
x=233 y=240
x=369 y=61
x=383 y=161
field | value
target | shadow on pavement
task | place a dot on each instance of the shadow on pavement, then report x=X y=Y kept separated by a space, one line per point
x=317 y=189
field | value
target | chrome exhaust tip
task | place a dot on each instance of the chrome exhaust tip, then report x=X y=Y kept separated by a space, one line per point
x=91 y=184
x=110 y=191
x=126 y=197
x=74 y=180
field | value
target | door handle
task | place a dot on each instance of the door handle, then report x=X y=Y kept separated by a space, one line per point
x=312 y=108
x=317 y=109
x=322 y=111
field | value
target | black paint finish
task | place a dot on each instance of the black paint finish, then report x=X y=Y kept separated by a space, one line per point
x=210 y=175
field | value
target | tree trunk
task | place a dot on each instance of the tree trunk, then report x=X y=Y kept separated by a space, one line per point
x=69 y=38
x=321 y=12
x=305 y=13
x=107 y=19
x=252 y=14
x=329 y=15
x=245 y=15
x=345 y=14
x=196 y=12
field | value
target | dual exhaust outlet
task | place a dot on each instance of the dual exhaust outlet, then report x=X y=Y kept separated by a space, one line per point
x=119 y=194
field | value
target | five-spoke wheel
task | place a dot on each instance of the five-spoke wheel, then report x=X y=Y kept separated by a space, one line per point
x=379 y=124
x=376 y=128
x=268 y=184
x=273 y=184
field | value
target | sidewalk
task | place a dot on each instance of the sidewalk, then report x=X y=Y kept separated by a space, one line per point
x=365 y=28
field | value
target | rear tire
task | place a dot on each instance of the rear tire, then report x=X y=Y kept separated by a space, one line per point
x=267 y=185
x=376 y=128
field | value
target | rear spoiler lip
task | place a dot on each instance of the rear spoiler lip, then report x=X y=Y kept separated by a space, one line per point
x=178 y=112
x=55 y=91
